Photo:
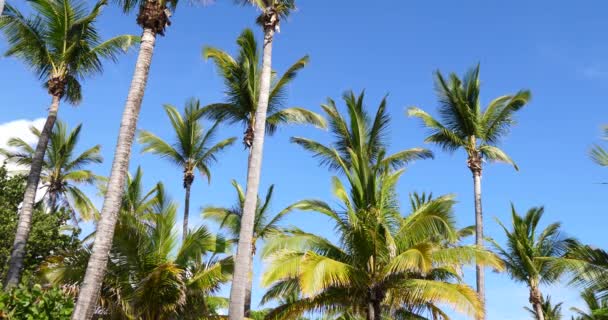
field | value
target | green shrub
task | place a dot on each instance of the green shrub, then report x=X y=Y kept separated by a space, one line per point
x=35 y=303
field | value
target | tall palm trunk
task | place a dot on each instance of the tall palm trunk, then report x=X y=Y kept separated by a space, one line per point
x=249 y=287
x=243 y=253
x=536 y=299
x=24 y=225
x=89 y=290
x=187 y=185
x=480 y=274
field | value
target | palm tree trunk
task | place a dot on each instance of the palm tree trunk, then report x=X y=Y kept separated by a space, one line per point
x=243 y=253
x=186 y=210
x=89 y=290
x=1 y=6
x=536 y=299
x=53 y=201
x=479 y=240
x=24 y=225
x=249 y=287
x=371 y=312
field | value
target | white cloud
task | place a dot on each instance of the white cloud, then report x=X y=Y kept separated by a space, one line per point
x=18 y=129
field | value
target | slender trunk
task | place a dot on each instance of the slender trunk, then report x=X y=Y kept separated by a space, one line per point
x=536 y=299
x=243 y=253
x=249 y=287
x=24 y=225
x=186 y=210
x=89 y=290
x=1 y=6
x=539 y=311
x=371 y=312
x=377 y=310
x=479 y=240
x=53 y=201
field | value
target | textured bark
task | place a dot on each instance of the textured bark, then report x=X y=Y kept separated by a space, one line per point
x=479 y=240
x=24 y=225
x=243 y=254
x=249 y=288
x=89 y=290
x=187 y=185
x=536 y=299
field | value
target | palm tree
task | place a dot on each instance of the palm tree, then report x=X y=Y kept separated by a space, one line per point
x=193 y=149
x=598 y=154
x=62 y=45
x=550 y=311
x=265 y=226
x=62 y=169
x=360 y=135
x=464 y=125
x=153 y=17
x=272 y=13
x=150 y=275
x=242 y=79
x=382 y=262
x=589 y=267
x=531 y=255
x=598 y=308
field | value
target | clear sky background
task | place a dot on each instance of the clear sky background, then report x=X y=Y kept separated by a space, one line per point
x=556 y=49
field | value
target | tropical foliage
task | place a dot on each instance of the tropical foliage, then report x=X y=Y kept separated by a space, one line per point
x=532 y=255
x=63 y=169
x=384 y=260
x=152 y=276
x=360 y=135
x=36 y=303
x=194 y=149
x=242 y=77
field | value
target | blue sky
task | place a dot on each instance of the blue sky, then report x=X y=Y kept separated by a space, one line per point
x=388 y=47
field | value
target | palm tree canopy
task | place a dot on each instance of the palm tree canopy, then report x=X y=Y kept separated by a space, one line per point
x=60 y=43
x=63 y=170
x=360 y=135
x=193 y=148
x=151 y=274
x=242 y=86
x=597 y=307
x=531 y=255
x=412 y=261
x=281 y=9
x=598 y=154
x=230 y=218
x=464 y=124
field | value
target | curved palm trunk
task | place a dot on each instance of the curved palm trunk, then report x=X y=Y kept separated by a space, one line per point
x=243 y=253
x=186 y=210
x=480 y=275
x=89 y=290
x=24 y=225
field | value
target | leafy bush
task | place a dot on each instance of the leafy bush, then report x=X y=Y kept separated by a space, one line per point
x=35 y=303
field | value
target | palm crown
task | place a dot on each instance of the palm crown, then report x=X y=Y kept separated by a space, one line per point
x=382 y=261
x=359 y=136
x=265 y=225
x=193 y=149
x=463 y=123
x=242 y=86
x=60 y=43
x=150 y=275
x=62 y=170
